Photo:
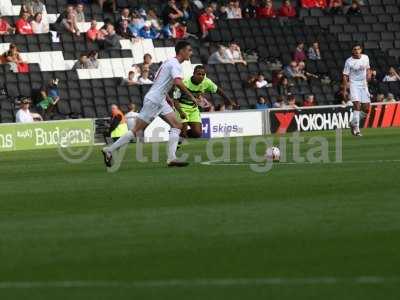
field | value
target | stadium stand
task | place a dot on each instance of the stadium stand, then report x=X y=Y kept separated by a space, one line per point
x=90 y=92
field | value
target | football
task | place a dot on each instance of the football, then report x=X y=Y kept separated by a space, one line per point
x=273 y=153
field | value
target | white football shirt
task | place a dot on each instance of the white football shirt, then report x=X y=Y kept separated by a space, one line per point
x=23 y=116
x=356 y=69
x=164 y=80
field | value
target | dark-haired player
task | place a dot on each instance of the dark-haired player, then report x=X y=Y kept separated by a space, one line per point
x=357 y=73
x=188 y=110
x=169 y=74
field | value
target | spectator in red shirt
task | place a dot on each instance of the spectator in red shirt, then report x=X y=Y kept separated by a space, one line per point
x=299 y=54
x=23 y=26
x=287 y=9
x=309 y=101
x=93 y=32
x=265 y=10
x=207 y=21
x=5 y=27
x=313 y=3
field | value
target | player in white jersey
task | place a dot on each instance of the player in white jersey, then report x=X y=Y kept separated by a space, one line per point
x=155 y=103
x=357 y=73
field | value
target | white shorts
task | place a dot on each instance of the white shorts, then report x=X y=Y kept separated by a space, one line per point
x=360 y=93
x=151 y=110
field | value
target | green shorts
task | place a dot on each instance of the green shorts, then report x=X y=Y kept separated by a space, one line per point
x=192 y=114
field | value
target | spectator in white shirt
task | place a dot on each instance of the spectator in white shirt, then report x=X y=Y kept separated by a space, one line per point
x=234 y=53
x=39 y=25
x=220 y=57
x=23 y=115
x=144 y=78
x=392 y=75
x=233 y=10
x=261 y=82
x=80 y=14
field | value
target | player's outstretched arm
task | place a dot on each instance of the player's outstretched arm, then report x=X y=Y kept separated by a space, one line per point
x=179 y=83
x=345 y=83
x=225 y=97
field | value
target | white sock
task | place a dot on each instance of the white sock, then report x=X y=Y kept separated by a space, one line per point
x=356 y=119
x=125 y=139
x=173 y=143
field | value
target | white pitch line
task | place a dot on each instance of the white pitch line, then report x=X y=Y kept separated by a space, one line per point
x=222 y=163
x=219 y=282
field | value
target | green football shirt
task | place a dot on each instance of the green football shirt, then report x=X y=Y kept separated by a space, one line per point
x=206 y=86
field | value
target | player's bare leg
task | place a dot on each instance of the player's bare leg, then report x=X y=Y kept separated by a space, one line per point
x=140 y=126
x=195 y=130
x=355 y=122
x=173 y=141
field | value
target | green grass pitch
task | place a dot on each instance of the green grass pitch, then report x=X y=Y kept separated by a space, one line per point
x=217 y=231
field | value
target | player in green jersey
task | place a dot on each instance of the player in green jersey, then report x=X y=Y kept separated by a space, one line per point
x=188 y=110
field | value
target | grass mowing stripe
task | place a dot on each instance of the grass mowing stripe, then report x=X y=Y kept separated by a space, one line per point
x=199 y=282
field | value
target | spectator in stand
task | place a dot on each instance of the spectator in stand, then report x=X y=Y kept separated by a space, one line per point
x=39 y=25
x=82 y=63
x=219 y=57
x=354 y=9
x=124 y=31
x=50 y=96
x=392 y=75
x=276 y=77
x=136 y=24
x=32 y=7
x=131 y=116
x=111 y=40
x=144 y=78
x=171 y=12
x=147 y=62
x=291 y=102
x=125 y=15
x=266 y=10
x=258 y=81
x=80 y=14
x=284 y=88
x=336 y=7
x=133 y=77
x=299 y=54
x=234 y=53
x=292 y=71
x=23 y=26
x=5 y=27
x=314 y=53
x=186 y=9
x=111 y=4
x=250 y=11
x=287 y=9
x=233 y=10
x=93 y=33
x=309 y=101
x=69 y=9
x=14 y=59
x=93 y=59
x=263 y=104
x=207 y=21
x=313 y=3
x=342 y=96
x=69 y=24
x=220 y=13
x=24 y=115
x=147 y=32
x=380 y=98
x=301 y=67
x=390 y=98
x=280 y=100
x=153 y=18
